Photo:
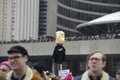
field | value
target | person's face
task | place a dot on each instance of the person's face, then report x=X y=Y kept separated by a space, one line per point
x=96 y=63
x=4 y=69
x=17 y=60
x=117 y=76
x=57 y=41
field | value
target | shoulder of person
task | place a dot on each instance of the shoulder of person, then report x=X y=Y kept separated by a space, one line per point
x=36 y=77
x=78 y=77
x=111 y=78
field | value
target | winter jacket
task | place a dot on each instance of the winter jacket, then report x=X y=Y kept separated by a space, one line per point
x=85 y=76
x=28 y=76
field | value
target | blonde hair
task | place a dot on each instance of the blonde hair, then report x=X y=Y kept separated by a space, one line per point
x=60 y=35
x=103 y=55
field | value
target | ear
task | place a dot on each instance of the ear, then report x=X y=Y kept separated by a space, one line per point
x=88 y=64
x=26 y=58
x=104 y=64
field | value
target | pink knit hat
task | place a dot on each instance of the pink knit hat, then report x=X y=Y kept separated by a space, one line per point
x=7 y=63
x=68 y=76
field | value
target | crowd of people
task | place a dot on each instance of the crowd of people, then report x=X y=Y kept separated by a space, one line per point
x=16 y=68
x=67 y=38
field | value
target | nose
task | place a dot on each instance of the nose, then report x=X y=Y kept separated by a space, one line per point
x=94 y=60
x=11 y=59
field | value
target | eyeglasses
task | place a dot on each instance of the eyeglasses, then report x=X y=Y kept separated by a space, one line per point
x=96 y=59
x=15 y=57
x=3 y=70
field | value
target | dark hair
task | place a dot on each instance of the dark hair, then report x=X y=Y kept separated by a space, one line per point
x=48 y=73
x=103 y=55
x=18 y=49
x=39 y=67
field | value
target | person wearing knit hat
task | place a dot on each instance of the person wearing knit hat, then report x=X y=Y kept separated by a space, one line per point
x=18 y=58
x=5 y=67
x=68 y=76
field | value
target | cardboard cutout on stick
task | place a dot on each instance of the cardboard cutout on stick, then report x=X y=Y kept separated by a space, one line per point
x=59 y=51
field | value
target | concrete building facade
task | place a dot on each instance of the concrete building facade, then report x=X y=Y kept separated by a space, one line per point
x=5 y=20
x=29 y=19
x=19 y=20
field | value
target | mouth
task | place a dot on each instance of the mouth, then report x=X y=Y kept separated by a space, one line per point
x=94 y=66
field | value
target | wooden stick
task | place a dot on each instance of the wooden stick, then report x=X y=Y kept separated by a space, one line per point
x=53 y=67
x=61 y=71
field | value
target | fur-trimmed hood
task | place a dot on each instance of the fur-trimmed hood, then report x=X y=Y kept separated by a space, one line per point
x=28 y=75
x=85 y=76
